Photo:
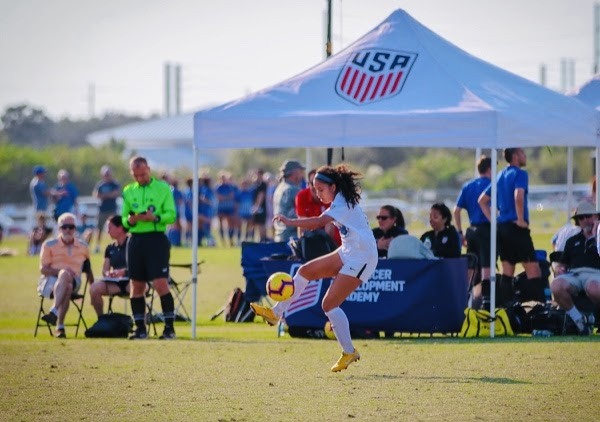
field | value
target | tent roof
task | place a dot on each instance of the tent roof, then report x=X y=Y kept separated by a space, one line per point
x=168 y=132
x=437 y=96
x=589 y=92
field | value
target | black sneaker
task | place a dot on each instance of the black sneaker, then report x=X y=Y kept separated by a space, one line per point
x=588 y=325
x=60 y=333
x=168 y=334
x=50 y=318
x=139 y=334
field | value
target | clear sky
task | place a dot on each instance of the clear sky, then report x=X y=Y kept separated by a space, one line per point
x=53 y=50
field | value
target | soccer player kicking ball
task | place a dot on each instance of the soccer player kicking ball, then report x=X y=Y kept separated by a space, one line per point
x=349 y=265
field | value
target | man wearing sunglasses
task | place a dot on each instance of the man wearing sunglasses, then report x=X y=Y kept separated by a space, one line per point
x=61 y=261
x=582 y=262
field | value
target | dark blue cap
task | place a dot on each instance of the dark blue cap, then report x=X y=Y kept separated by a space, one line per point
x=39 y=170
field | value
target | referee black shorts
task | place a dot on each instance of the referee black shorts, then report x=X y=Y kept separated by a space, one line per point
x=515 y=243
x=478 y=243
x=148 y=256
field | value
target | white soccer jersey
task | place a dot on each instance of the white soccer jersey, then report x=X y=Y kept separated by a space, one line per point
x=356 y=234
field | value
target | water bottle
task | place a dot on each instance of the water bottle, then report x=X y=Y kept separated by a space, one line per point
x=427 y=243
x=280 y=328
x=541 y=333
x=548 y=294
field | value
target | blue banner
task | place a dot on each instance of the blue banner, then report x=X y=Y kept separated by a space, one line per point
x=402 y=295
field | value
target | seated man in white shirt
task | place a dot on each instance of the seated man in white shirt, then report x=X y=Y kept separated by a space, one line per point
x=407 y=246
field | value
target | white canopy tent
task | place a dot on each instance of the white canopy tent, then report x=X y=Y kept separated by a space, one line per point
x=399 y=85
x=589 y=92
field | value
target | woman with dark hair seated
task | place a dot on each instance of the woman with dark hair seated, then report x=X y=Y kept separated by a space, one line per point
x=443 y=240
x=115 y=279
x=391 y=224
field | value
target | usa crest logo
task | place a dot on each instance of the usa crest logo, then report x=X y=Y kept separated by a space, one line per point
x=374 y=74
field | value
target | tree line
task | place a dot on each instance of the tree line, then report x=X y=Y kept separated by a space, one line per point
x=28 y=137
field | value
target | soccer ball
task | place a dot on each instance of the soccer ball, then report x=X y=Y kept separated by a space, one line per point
x=280 y=286
x=329 y=331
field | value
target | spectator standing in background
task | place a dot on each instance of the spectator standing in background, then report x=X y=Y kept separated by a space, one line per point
x=64 y=194
x=291 y=175
x=39 y=190
x=226 y=208
x=107 y=190
x=443 y=240
x=515 y=244
x=245 y=201
x=271 y=182
x=259 y=208
x=477 y=237
x=175 y=230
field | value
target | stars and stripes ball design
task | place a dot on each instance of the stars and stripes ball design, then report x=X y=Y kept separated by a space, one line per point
x=280 y=286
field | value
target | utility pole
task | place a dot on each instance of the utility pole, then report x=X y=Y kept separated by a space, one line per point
x=172 y=86
x=543 y=74
x=177 y=89
x=91 y=100
x=167 y=76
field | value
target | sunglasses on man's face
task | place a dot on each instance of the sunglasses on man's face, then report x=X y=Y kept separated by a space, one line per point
x=383 y=217
x=67 y=227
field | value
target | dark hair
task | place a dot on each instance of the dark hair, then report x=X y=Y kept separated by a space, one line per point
x=444 y=211
x=138 y=160
x=508 y=154
x=117 y=221
x=397 y=214
x=484 y=164
x=344 y=179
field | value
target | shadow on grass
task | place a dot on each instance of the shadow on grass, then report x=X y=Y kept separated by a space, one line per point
x=450 y=380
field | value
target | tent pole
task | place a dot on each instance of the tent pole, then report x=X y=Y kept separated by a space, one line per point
x=328 y=52
x=597 y=172
x=194 y=239
x=569 y=182
x=493 y=208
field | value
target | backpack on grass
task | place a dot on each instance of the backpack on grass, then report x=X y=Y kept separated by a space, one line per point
x=236 y=309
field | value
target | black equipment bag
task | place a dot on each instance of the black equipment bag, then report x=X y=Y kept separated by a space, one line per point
x=113 y=325
x=549 y=317
x=313 y=244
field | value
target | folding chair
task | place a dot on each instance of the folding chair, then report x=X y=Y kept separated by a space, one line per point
x=77 y=300
x=179 y=291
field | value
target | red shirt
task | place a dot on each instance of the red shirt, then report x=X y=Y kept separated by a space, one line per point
x=308 y=206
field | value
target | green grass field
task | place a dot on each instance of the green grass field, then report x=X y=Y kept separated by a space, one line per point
x=236 y=372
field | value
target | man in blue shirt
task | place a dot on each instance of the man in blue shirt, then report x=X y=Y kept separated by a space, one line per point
x=514 y=237
x=107 y=190
x=477 y=236
x=39 y=190
x=65 y=194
